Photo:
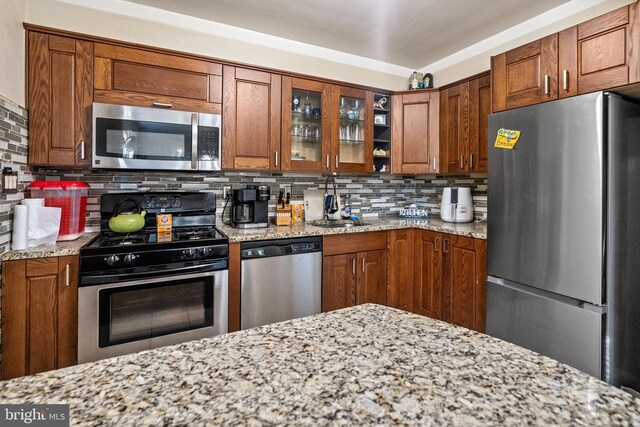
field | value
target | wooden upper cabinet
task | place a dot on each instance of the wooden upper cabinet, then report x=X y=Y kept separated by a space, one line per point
x=400 y=264
x=60 y=99
x=39 y=315
x=525 y=75
x=415 y=133
x=427 y=277
x=601 y=53
x=464 y=120
x=306 y=125
x=251 y=119
x=479 y=110
x=129 y=76
x=464 y=279
x=351 y=130
x=454 y=129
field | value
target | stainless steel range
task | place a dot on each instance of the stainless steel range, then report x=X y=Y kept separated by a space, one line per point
x=138 y=293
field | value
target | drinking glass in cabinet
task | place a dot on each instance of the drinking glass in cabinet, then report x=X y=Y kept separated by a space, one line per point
x=306 y=126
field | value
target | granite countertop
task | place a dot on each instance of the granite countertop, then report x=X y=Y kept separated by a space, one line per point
x=62 y=248
x=364 y=365
x=477 y=229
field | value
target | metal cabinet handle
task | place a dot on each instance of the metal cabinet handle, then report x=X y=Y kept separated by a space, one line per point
x=363 y=264
x=471 y=162
x=434 y=163
x=162 y=105
x=276 y=158
x=565 y=80
x=353 y=266
x=67 y=270
x=82 y=150
x=327 y=161
x=547 y=84
x=462 y=162
x=444 y=246
x=336 y=162
x=436 y=244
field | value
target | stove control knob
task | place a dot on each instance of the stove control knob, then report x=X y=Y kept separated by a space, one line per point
x=203 y=252
x=190 y=253
x=130 y=259
x=113 y=260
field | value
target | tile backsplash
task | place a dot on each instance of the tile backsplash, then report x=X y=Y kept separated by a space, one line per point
x=376 y=195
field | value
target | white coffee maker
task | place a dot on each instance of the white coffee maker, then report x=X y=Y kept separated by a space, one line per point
x=457 y=205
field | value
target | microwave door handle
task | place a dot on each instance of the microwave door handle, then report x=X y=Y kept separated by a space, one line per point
x=194 y=141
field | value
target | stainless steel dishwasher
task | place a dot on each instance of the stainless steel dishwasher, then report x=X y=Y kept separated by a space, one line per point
x=280 y=280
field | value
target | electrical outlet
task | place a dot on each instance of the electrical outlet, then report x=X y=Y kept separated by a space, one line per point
x=226 y=192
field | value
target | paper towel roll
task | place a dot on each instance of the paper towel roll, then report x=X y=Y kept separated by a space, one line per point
x=38 y=202
x=20 y=235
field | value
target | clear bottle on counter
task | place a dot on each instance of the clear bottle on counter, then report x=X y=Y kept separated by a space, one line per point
x=346 y=207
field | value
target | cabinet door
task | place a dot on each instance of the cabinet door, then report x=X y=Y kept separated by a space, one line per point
x=338 y=281
x=306 y=130
x=60 y=100
x=463 y=292
x=600 y=53
x=401 y=261
x=525 y=75
x=415 y=133
x=427 y=277
x=454 y=129
x=251 y=125
x=352 y=130
x=40 y=318
x=479 y=110
x=372 y=277
x=130 y=76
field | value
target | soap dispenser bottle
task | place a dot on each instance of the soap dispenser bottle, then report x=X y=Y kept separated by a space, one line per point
x=346 y=207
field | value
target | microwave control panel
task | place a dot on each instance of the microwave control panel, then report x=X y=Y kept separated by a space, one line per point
x=208 y=143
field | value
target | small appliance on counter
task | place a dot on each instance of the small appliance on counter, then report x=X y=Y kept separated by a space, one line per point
x=457 y=205
x=250 y=207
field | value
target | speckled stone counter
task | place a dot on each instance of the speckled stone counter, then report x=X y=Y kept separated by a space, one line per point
x=477 y=230
x=65 y=248
x=367 y=365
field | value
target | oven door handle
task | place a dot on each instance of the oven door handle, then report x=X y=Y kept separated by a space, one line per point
x=189 y=272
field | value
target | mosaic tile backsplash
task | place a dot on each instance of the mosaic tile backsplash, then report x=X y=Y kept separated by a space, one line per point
x=371 y=195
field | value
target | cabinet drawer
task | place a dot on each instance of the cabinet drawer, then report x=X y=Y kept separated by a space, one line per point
x=354 y=242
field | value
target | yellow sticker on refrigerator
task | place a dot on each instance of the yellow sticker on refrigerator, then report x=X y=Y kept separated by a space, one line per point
x=507 y=138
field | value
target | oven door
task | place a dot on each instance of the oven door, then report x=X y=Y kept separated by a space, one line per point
x=131 y=316
x=126 y=137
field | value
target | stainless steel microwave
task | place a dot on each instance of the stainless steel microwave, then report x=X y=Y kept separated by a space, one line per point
x=126 y=137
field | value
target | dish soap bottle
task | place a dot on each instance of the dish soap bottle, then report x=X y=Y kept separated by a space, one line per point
x=346 y=207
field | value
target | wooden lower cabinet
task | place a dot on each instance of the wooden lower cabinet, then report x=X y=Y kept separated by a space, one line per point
x=438 y=275
x=39 y=315
x=354 y=270
x=463 y=283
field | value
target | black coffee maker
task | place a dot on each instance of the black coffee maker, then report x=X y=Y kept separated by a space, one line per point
x=250 y=207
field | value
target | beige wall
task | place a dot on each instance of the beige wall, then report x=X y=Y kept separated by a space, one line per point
x=479 y=60
x=63 y=15
x=12 y=14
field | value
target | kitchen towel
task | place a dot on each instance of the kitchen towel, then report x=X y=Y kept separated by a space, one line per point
x=44 y=225
x=20 y=233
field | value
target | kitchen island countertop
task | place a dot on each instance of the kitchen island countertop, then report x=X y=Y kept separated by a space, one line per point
x=360 y=366
x=477 y=229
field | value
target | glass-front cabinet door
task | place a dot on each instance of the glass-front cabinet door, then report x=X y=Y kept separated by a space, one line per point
x=352 y=142
x=305 y=125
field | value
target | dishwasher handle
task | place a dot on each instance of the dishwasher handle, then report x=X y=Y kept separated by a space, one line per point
x=266 y=251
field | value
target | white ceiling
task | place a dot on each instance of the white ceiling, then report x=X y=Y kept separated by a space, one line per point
x=407 y=33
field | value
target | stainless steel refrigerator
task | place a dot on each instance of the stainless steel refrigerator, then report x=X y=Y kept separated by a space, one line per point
x=564 y=234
